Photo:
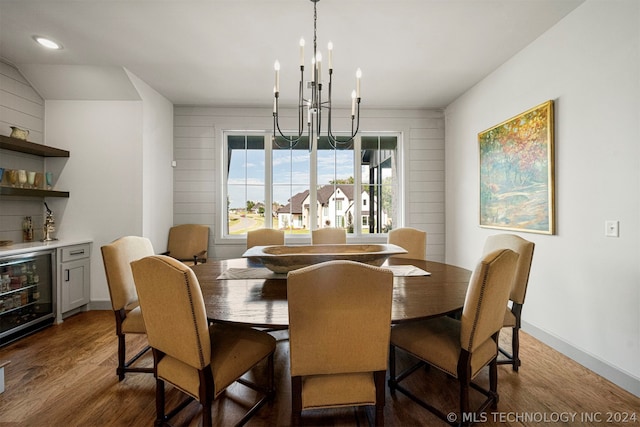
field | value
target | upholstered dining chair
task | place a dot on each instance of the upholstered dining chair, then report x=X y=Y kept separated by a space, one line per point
x=414 y=241
x=199 y=359
x=117 y=257
x=265 y=237
x=461 y=348
x=328 y=235
x=512 y=317
x=188 y=243
x=339 y=325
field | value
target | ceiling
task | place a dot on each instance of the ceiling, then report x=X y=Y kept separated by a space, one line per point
x=413 y=53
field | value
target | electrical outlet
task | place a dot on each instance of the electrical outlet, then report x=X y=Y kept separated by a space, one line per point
x=611 y=229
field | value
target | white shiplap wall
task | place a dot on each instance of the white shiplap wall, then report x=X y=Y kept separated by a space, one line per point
x=198 y=153
x=21 y=106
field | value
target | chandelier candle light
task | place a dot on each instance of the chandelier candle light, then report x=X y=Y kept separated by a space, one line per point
x=314 y=104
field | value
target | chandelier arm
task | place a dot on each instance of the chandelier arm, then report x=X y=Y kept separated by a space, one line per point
x=319 y=111
x=292 y=142
x=315 y=104
x=333 y=141
x=301 y=102
x=329 y=132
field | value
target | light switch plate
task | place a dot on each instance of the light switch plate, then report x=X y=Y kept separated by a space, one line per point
x=611 y=228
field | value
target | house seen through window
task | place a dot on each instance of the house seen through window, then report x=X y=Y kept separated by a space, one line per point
x=269 y=184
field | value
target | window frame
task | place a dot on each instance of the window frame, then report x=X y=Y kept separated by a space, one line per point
x=222 y=210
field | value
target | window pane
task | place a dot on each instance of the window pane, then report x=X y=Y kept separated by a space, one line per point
x=244 y=214
x=335 y=195
x=245 y=183
x=291 y=180
x=336 y=206
x=379 y=179
x=335 y=166
x=293 y=216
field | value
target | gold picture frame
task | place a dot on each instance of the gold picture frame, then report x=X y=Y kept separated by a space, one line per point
x=517 y=172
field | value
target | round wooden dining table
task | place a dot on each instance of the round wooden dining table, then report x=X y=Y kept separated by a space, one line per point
x=263 y=302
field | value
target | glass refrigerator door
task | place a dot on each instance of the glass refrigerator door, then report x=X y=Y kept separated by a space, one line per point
x=26 y=293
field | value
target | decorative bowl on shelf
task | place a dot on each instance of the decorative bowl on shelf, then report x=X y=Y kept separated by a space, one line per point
x=19 y=133
x=284 y=258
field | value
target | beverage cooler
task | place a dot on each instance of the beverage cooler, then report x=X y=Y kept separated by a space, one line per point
x=27 y=297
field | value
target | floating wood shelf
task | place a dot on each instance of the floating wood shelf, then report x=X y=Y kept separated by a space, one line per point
x=22 y=146
x=32 y=192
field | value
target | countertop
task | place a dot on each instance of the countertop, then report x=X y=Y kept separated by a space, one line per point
x=21 y=248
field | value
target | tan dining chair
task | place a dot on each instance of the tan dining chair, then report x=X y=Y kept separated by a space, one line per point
x=265 y=237
x=513 y=314
x=339 y=325
x=414 y=241
x=117 y=257
x=329 y=235
x=188 y=243
x=199 y=359
x=461 y=348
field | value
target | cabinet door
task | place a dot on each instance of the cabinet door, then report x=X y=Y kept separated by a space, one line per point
x=74 y=282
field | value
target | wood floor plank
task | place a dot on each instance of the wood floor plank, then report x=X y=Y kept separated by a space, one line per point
x=65 y=376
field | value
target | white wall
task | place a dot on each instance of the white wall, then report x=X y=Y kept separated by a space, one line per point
x=103 y=174
x=157 y=176
x=198 y=151
x=119 y=174
x=584 y=289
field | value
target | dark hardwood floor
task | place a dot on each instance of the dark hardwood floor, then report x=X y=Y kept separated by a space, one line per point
x=65 y=376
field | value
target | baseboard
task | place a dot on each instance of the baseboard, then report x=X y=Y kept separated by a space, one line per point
x=619 y=377
x=100 y=305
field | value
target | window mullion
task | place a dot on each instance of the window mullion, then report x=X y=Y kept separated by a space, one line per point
x=357 y=191
x=313 y=185
x=268 y=182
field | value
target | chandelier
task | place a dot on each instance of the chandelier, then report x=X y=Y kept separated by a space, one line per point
x=310 y=108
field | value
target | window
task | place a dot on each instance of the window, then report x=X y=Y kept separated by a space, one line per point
x=380 y=182
x=268 y=184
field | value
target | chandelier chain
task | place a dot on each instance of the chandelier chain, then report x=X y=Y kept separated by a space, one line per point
x=315 y=29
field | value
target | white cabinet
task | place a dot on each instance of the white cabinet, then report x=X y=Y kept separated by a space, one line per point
x=74 y=278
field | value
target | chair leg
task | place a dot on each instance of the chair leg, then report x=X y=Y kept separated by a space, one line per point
x=378 y=378
x=392 y=369
x=160 y=417
x=493 y=383
x=121 y=357
x=515 y=348
x=512 y=358
x=268 y=391
x=124 y=366
x=271 y=389
x=296 y=400
x=206 y=413
x=464 y=380
x=515 y=337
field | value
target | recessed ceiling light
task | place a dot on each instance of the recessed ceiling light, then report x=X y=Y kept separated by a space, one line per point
x=48 y=43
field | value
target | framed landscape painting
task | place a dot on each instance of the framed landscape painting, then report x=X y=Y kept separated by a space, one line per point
x=517 y=172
